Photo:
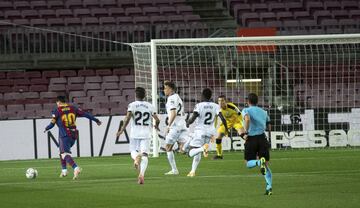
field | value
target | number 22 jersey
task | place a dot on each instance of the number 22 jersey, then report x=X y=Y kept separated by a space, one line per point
x=141 y=123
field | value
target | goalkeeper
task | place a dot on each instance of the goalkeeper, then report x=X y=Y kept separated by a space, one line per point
x=233 y=118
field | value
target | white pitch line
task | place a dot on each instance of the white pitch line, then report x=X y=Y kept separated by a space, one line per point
x=58 y=166
x=129 y=164
x=289 y=174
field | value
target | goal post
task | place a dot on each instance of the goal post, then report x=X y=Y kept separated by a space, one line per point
x=308 y=84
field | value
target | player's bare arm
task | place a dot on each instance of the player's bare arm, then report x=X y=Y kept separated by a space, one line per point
x=172 y=117
x=157 y=122
x=126 y=122
x=192 y=119
x=245 y=129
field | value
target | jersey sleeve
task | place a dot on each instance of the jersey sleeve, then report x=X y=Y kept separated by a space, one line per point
x=197 y=108
x=172 y=102
x=233 y=107
x=217 y=109
x=54 y=117
x=54 y=114
x=130 y=108
x=244 y=112
x=79 y=112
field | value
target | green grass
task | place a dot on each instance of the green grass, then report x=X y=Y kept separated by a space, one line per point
x=302 y=178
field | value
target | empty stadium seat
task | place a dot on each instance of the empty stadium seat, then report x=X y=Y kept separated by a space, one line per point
x=86 y=72
x=151 y=11
x=349 y=5
x=12 y=14
x=64 y=13
x=276 y=6
x=112 y=93
x=20 y=5
x=38 y=4
x=184 y=9
x=55 y=22
x=73 y=4
x=67 y=73
x=299 y=15
x=108 y=3
x=166 y=10
x=82 y=12
x=141 y=20
x=103 y=72
x=29 y=14
x=57 y=88
x=55 y=4
x=72 y=21
x=6 y=5
x=91 y=3
x=293 y=6
x=337 y=14
x=332 y=5
x=133 y=11
x=47 y=13
x=115 y=12
x=99 y=12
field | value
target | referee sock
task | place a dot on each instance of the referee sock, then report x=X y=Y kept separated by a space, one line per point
x=253 y=163
x=268 y=178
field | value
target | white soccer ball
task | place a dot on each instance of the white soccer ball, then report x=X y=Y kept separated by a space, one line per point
x=31 y=173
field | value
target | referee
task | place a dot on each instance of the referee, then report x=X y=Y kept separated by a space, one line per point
x=256 y=144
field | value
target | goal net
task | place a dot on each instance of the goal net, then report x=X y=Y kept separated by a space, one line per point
x=310 y=85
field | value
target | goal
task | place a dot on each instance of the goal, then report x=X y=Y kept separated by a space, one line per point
x=310 y=85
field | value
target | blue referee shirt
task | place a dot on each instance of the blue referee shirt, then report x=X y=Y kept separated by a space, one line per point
x=258 y=119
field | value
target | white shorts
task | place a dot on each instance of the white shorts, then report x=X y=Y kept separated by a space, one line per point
x=201 y=137
x=176 y=135
x=140 y=145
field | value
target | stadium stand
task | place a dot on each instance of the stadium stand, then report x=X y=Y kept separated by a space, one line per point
x=106 y=90
x=305 y=16
x=33 y=93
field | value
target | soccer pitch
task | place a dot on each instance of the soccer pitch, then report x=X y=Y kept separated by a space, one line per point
x=301 y=178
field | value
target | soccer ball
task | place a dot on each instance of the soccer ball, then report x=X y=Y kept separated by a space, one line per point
x=31 y=173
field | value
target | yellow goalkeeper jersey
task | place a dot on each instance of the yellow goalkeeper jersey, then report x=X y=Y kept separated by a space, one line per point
x=232 y=114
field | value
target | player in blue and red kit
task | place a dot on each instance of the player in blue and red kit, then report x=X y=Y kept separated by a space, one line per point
x=64 y=116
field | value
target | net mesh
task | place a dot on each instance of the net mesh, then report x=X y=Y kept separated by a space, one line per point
x=311 y=87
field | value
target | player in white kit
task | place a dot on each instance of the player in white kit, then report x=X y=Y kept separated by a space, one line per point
x=176 y=130
x=141 y=113
x=205 y=114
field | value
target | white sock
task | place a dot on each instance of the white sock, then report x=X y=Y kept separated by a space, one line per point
x=143 y=165
x=196 y=162
x=134 y=154
x=195 y=151
x=171 y=158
